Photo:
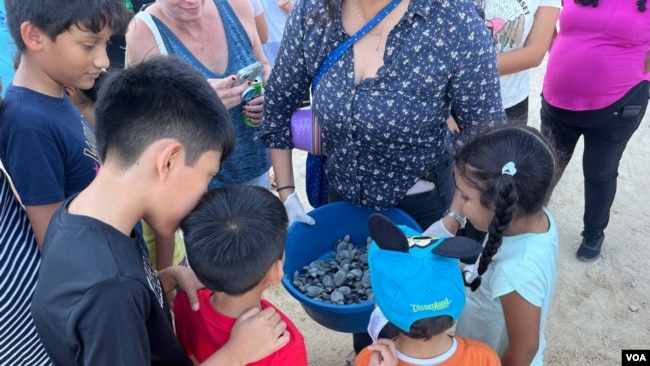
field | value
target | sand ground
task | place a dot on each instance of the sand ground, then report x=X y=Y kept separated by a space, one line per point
x=599 y=308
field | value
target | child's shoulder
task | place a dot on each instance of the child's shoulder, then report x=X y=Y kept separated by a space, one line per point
x=475 y=353
x=27 y=108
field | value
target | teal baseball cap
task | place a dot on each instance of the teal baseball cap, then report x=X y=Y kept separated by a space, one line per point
x=412 y=280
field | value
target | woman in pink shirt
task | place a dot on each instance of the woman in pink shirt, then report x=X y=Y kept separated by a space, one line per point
x=596 y=85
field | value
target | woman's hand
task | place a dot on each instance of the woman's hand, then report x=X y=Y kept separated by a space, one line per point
x=181 y=277
x=384 y=353
x=254 y=109
x=228 y=92
x=647 y=62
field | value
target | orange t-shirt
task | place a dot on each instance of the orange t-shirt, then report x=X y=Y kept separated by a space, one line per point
x=468 y=353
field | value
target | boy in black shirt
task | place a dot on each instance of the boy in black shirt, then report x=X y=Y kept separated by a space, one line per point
x=162 y=133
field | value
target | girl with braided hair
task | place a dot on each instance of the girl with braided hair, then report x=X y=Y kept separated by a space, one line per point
x=596 y=86
x=502 y=181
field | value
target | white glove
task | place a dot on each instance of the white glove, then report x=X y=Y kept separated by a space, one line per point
x=437 y=230
x=296 y=212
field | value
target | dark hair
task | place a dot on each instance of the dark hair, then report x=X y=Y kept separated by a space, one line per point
x=233 y=236
x=56 y=16
x=162 y=97
x=480 y=163
x=641 y=4
x=428 y=327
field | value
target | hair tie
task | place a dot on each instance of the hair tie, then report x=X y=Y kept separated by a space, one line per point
x=509 y=169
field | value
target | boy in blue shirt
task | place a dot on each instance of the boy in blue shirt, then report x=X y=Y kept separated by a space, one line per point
x=47 y=146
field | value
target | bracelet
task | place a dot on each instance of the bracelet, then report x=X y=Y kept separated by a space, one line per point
x=284 y=187
x=462 y=221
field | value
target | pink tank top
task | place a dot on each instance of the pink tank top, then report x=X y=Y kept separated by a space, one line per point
x=598 y=56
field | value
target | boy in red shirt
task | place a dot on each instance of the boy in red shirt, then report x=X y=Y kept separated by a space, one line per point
x=418 y=288
x=235 y=241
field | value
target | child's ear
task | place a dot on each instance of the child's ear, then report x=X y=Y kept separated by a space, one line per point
x=275 y=273
x=169 y=158
x=32 y=36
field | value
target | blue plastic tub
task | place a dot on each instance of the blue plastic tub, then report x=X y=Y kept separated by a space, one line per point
x=306 y=243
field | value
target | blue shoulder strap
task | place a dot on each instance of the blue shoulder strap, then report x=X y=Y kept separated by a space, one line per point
x=338 y=51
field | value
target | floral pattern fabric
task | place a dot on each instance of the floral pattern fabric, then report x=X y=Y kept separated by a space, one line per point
x=386 y=132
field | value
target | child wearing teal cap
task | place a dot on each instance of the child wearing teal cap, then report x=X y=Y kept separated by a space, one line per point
x=418 y=288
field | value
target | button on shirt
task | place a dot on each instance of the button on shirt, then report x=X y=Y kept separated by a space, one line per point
x=386 y=132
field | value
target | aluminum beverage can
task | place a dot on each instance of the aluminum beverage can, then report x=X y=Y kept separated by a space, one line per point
x=253 y=91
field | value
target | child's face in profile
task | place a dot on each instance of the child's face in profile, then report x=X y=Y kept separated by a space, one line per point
x=185 y=187
x=76 y=57
x=478 y=215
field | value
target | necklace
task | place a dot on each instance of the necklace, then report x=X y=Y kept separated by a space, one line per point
x=205 y=37
x=203 y=34
x=363 y=24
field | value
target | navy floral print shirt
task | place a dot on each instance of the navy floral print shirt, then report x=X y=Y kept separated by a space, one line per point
x=386 y=132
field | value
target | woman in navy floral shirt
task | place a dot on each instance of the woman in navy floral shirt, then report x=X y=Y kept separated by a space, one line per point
x=383 y=121
x=383 y=105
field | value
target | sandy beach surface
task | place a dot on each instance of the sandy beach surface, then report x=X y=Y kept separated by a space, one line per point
x=599 y=308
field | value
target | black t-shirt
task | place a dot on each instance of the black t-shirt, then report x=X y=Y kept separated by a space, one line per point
x=98 y=300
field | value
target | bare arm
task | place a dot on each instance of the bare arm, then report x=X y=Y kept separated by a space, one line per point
x=285 y=5
x=283 y=170
x=522 y=324
x=537 y=44
x=165 y=246
x=262 y=29
x=39 y=218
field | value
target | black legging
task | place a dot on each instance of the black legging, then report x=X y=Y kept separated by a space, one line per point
x=518 y=113
x=606 y=133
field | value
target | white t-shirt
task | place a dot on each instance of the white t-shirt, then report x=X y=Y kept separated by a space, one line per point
x=511 y=22
x=275 y=20
x=256 y=5
x=524 y=263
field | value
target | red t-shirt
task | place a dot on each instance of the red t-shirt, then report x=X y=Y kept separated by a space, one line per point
x=205 y=331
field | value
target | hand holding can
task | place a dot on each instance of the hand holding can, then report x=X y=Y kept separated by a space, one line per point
x=252 y=92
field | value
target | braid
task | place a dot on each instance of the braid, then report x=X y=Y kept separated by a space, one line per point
x=505 y=202
x=641 y=4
